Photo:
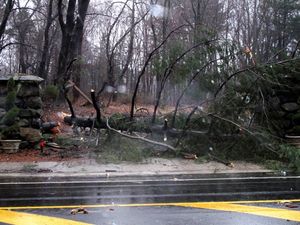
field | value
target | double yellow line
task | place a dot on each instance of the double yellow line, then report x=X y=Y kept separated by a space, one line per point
x=10 y=216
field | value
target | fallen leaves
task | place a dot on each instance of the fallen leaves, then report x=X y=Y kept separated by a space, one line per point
x=288 y=204
x=189 y=155
x=79 y=210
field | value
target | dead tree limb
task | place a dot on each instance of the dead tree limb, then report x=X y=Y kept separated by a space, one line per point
x=82 y=122
x=69 y=103
x=72 y=84
x=96 y=106
x=140 y=138
x=232 y=122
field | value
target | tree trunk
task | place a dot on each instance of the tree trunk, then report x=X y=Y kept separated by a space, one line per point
x=66 y=29
x=72 y=36
x=76 y=42
x=7 y=11
x=45 y=54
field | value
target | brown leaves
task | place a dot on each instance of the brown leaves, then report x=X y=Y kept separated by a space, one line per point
x=79 y=210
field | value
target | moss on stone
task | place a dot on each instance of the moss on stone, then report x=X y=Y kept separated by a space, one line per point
x=10 y=117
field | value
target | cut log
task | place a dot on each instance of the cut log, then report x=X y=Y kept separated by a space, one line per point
x=85 y=122
x=48 y=126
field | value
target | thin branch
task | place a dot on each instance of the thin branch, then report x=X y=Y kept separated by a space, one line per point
x=296 y=49
x=111 y=29
x=18 y=43
x=264 y=105
x=187 y=121
x=187 y=87
x=232 y=122
x=125 y=34
x=145 y=66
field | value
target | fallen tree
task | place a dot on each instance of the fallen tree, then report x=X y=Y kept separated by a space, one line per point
x=132 y=126
x=140 y=138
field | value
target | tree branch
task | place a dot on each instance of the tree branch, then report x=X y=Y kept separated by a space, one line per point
x=7 y=11
x=248 y=69
x=139 y=138
x=145 y=66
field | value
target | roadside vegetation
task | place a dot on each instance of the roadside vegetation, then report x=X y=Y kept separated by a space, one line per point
x=203 y=80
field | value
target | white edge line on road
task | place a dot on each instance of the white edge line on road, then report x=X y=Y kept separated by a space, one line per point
x=146 y=180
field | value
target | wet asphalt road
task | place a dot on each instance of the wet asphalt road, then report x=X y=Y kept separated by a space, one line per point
x=111 y=191
x=97 y=190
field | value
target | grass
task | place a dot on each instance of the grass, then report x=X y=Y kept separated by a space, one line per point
x=275 y=165
x=118 y=149
x=113 y=148
x=29 y=168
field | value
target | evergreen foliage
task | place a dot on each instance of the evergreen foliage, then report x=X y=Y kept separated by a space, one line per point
x=11 y=119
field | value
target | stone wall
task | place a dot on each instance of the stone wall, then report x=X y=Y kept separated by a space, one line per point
x=28 y=100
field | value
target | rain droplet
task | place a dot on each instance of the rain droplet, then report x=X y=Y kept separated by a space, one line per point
x=157 y=10
x=283 y=173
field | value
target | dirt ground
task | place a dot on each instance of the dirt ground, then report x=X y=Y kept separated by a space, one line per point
x=55 y=112
x=77 y=157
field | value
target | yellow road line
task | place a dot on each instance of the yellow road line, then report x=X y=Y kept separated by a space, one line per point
x=234 y=206
x=20 y=218
x=254 y=210
x=144 y=204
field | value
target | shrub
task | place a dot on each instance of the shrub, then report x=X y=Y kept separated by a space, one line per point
x=50 y=92
x=10 y=100
x=292 y=154
x=11 y=119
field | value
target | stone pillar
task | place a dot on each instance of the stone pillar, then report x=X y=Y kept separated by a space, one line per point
x=28 y=100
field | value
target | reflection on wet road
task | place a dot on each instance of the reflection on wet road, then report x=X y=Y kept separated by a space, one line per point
x=198 y=199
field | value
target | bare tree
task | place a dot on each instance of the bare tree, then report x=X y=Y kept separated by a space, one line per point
x=25 y=33
x=46 y=46
x=151 y=54
x=111 y=48
x=72 y=37
x=8 y=8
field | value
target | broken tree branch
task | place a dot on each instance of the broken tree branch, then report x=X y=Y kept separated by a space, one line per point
x=96 y=106
x=232 y=122
x=80 y=91
x=69 y=103
x=139 y=138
